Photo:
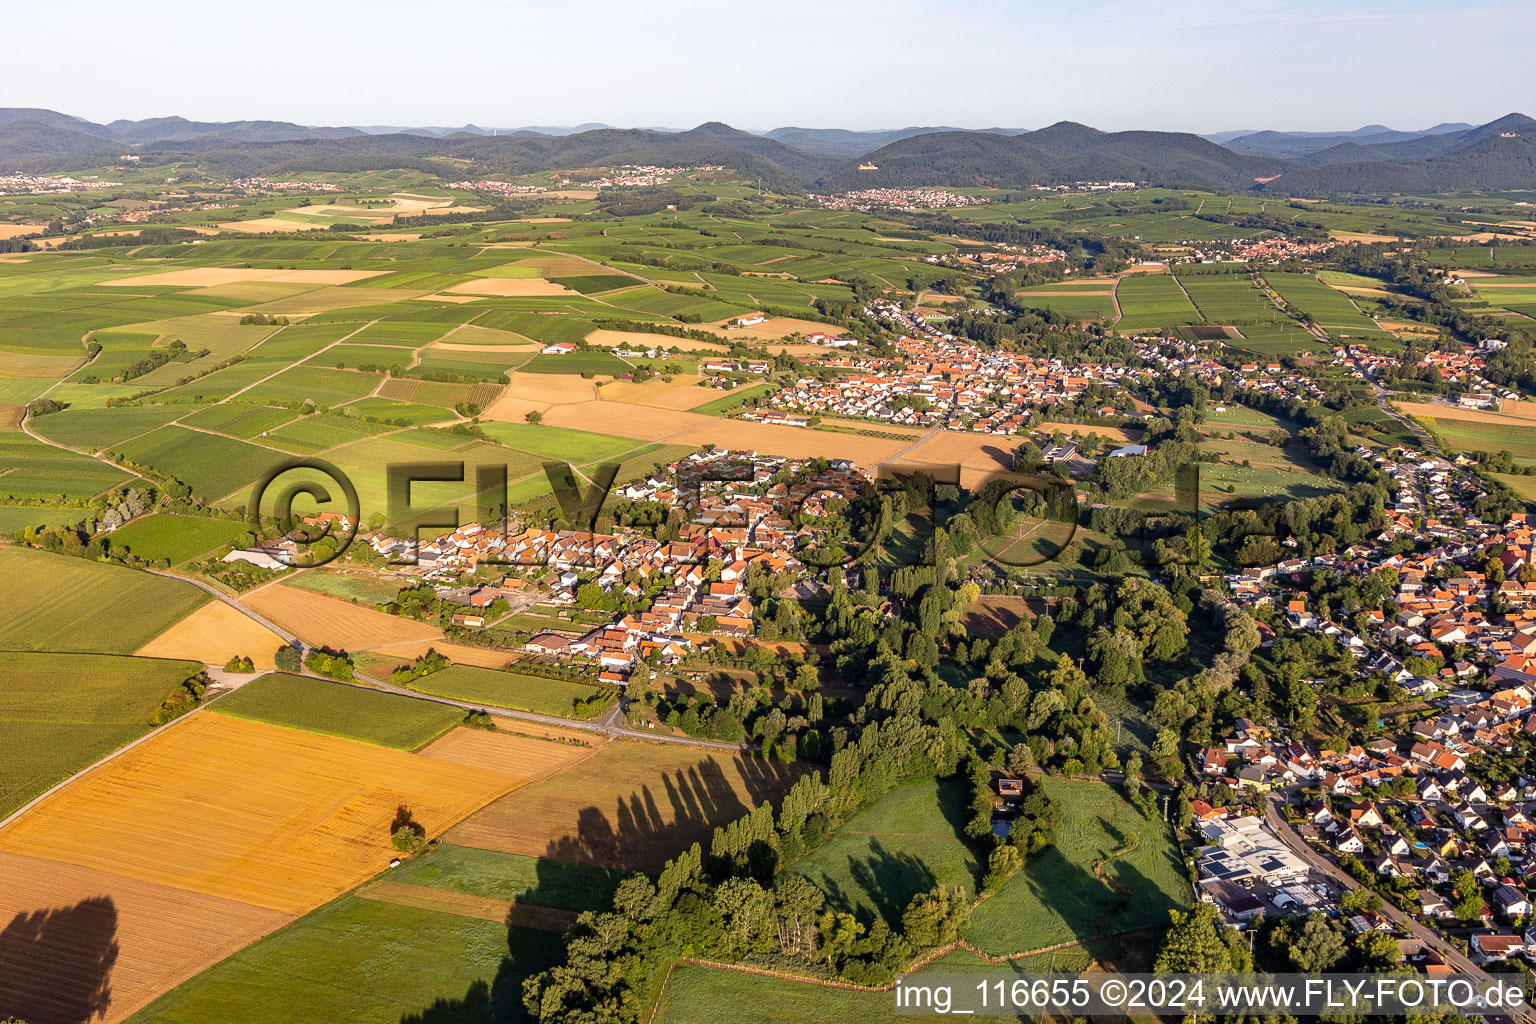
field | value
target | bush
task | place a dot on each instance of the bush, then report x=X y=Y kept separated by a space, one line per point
x=287 y=658
x=239 y=663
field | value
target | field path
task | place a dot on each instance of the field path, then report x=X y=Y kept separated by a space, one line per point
x=1114 y=300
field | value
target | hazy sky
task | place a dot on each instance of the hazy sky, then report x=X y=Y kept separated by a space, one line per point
x=1194 y=65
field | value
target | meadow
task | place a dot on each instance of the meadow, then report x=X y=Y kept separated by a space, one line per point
x=336 y=709
x=59 y=603
x=62 y=712
x=1152 y=302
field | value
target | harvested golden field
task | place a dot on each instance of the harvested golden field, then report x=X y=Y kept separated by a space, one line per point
x=212 y=635
x=8 y=230
x=10 y=416
x=772 y=329
x=884 y=428
x=463 y=904
x=331 y=622
x=98 y=942
x=246 y=811
x=793 y=442
x=205 y=277
x=631 y=805
x=461 y=654
x=525 y=758
x=554 y=388
x=508 y=287
x=681 y=392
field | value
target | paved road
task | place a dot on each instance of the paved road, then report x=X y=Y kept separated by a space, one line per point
x=1323 y=865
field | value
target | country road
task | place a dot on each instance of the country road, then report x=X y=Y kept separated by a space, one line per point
x=1432 y=940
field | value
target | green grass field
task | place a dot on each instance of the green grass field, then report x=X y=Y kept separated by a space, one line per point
x=1058 y=897
x=62 y=712
x=335 y=709
x=906 y=843
x=359 y=961
x=59 y=603
x=506 y=690
x=175 y=538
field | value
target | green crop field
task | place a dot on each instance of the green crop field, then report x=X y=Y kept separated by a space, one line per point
x=63 y=712
x=512 y=690
x=59 y=603
x=176 y=538
x=1153 y=302
x=1271 y=341
x=1072 y=298
x=1472 y=436
x=1108 y=870
x=1331 y=308
x=238 y=420
x=1229 y=297
x=512 y=877
x=336 y=709
x=361 y=961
